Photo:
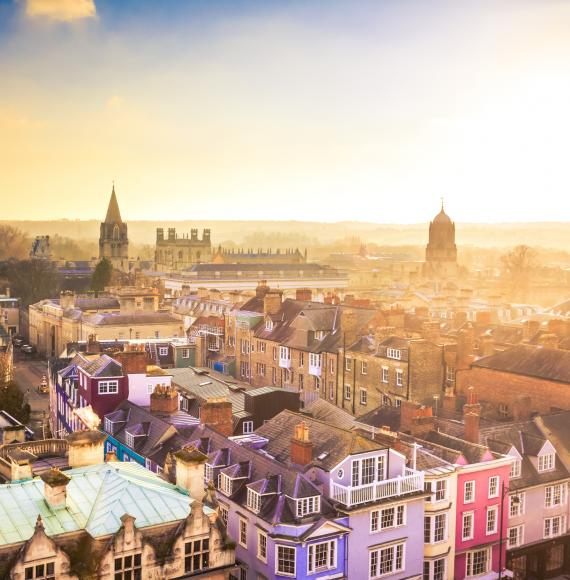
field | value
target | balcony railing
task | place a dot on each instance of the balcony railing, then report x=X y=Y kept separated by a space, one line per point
x=411 y=482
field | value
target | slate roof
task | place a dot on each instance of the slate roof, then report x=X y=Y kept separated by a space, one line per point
x=533 y=361
x=99 y=303
x=330 y=444
x=112 y=318
x=383 y=416
x=97 y=365
x=97 y=497
x=324 y=411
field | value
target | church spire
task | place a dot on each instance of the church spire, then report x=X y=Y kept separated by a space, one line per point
x=113 y=213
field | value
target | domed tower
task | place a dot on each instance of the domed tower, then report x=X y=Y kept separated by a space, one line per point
x=441 y=251
x=113 y=238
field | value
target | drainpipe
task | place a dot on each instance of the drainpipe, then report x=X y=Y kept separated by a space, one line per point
x=343 y=369
x=354 y=387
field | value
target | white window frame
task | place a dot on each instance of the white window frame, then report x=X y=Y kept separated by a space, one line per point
x=431 y=565
x=469 y=562
x=226 y=484
x=552 y=491
x=495 y=520
x=363 y=396
x=378 y=518
x=549 y=525
x=471 y=516
x=399 y=378
x=546 y=462
x=260 y=555
x=242 y=525
x=331 y=556
x=515 y=469
x=376 y=554
x=315 y=360
x=185 y=353
x=106 y=386
x=432 y=518
x=472 y=495
x=284 y=353
x=385 y=375
x=294 y=560
x=253 y=500
x=347 y=364
x=308 y=505
x=394 y=353
x=493 y=484
x=162 y=351
x=519 y=536
x=437 y=492
x=347 y=392
x=247 y=427
x=363 y=367
x=516 y=509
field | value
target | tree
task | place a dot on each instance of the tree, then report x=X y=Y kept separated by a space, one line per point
x=518 y=267
x=12 y=401
x=33 y=280
x=14 y=244
x=102 y=275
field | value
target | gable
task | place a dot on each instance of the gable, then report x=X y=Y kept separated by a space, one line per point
x=327 y=528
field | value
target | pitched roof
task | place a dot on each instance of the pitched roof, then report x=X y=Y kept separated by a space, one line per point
x=534 y=361
x=97 y=497
x=113 y=213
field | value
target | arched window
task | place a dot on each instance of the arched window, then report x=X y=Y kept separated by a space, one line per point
x=116 y=232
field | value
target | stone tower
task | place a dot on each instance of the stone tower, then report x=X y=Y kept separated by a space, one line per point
x=441 y=251
x=113 y=238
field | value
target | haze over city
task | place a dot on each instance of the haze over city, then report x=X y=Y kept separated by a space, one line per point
x=331 y=111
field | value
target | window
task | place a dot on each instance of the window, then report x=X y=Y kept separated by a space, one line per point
x=185 y=353
x=108 y=425
x=450 y=375
x=247 y=427
x=314 y=360
x=244 y=369
x=269 y=324
x=554 y=526
x=331 y=365
x=364 y=367
x=434 y=570
x=363 y=397
x=253 y=500
x=274 y=353
x=262 y=546
x=347 y=394
x=285 y=560
x=491 y=520
x=494 y=486
x=224 y=513
x=441 y=490
x=467 y=526
x=546 y=462
x=274 y=375
x=261 y=368
x=385 y=374
x=435 y=528
x=469 y=492
x=284 y=353
x=394 y=353
x=261 y=346
x=384 y=561
x=515 y=536
x=244 y=346
x=108 y=387
x=225 y=484
x=301 y=381
x=208 y=472
x=301 y=359
x=554 y=495
x=196 y=555
x=163 y=351
x=331 y=390
x=348 y=364
x=383 y=519
x=515 y=469
x=320 y=334
x=477 y=562
x=516 y=505
x=399 y=378
x=317 y=384
x=130 y=439
x=44 y=571
x=322 y=556
x=243 y=532
x=308 y=505
x=128 y=567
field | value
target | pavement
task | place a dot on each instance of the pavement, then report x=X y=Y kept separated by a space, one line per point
x=28 y=374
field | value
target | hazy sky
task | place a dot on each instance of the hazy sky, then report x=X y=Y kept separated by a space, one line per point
x=282 y=109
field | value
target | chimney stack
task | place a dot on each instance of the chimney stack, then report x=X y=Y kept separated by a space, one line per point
x=348 y=326
x=301 y=446
x=93 y=346
x=272 y=301
x=417 y=420
x=164 y=399
x=55 y=487
x=133 y=360
x=190 y=471
x=86 y=448
x=305 y=294
x=471 y=417
x=217 y=414
x=449 y=400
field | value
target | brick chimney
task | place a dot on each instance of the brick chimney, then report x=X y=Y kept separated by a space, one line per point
x=471 y=417
x=67 y=299
x=262 y=289
x=55 y=487
x=164 y=399
x=348 y=327
x=301 y=445
x=93 y=346
x=272 y=301
x=190 y=471
x=449 y=402
x=133 y=360
x=86 y=448
x=417 y=420
x=217 y=413
x=305 y=294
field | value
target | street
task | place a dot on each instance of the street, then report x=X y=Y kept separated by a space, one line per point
x=28 y=374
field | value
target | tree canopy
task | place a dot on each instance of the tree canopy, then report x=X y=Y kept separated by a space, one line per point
x=102 y=275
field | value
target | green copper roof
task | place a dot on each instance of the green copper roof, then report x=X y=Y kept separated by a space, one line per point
x=97 y=497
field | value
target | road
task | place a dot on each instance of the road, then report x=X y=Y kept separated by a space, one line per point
x=28 y=375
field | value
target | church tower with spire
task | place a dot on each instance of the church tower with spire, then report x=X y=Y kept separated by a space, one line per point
x=113 y=238
x=441 y=251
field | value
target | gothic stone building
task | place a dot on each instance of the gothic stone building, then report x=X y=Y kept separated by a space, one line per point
x=113 y=238
x=441 y=251
x=175 y=253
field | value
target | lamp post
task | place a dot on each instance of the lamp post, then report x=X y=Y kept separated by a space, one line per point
x=515 y=499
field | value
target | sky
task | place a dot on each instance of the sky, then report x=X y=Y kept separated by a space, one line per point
x=368 y=110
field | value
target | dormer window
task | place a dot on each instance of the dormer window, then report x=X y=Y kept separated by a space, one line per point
x=546 y=462
x=269 y=324
x=108 y=425
x=320 y=334
x=394 y=353
x=225 y=484
x=108 y=387
x=515 y=469
x=208 y=472
x=308 y=505
x=253 y=500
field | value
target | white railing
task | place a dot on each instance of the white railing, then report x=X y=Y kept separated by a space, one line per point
x=411 y=482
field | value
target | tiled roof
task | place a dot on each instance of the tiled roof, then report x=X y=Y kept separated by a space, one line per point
x=324 y=411
x=97 y=497
x=98 y=365
x=534 y=361
x=112 y=319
